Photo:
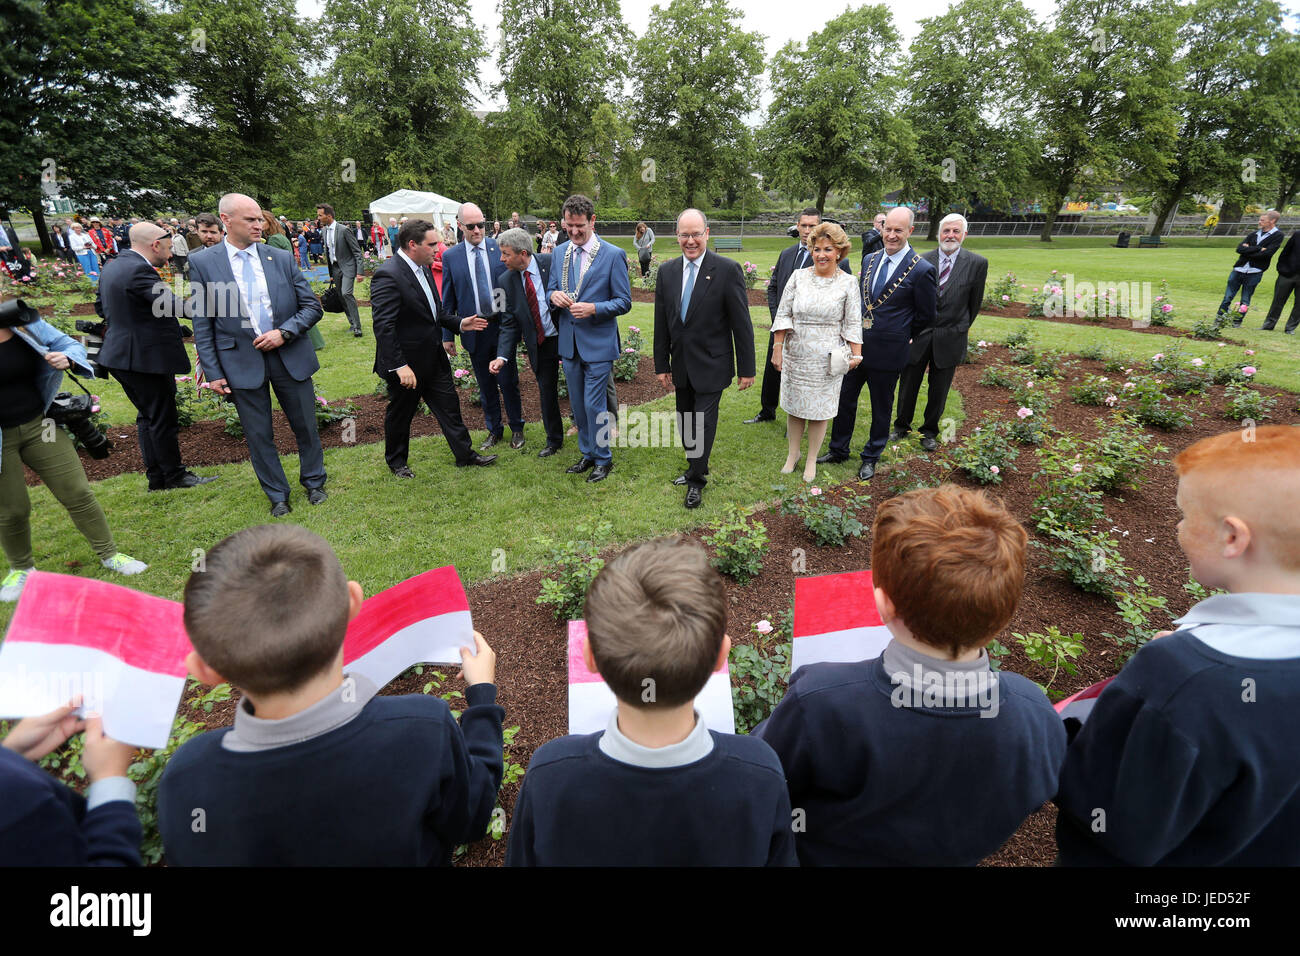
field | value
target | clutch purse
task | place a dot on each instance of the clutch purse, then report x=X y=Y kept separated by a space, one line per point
x=839 y=361
x=332 y=300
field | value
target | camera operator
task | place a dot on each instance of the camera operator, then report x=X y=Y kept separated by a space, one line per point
x=144 y=351
x=33 y=356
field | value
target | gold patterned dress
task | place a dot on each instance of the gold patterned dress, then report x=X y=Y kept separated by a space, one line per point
x=820 y=316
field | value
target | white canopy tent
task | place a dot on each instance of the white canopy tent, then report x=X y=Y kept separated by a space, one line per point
x=415 y=204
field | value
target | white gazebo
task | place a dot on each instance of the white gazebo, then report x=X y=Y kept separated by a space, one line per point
x=415 y=204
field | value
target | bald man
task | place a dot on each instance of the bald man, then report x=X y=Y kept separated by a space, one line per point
x=143 y=350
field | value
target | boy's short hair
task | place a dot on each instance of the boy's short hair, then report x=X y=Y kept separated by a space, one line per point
x=953 y=562
x=657 y=612
x=269 y=610
x=1261 y=469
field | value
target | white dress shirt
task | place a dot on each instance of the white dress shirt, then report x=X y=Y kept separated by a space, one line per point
x=261 y=292
x=890 y=264
x=1259 y=237
x=471 y=252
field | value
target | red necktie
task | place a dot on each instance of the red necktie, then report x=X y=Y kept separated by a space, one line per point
x=532 y=305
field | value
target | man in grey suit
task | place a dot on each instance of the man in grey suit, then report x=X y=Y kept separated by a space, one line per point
x=962 y=275
x=343 y=256
x=252 y=308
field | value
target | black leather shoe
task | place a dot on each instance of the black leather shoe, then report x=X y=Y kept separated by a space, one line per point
x=188 y=480
x=1268 y=326
x=897 y=435
x=578 y=467
x=517 y=440
x=477 y=459
x=316 y=495
x=928 y=443
x=356 y=333
x=679 y=480
x=600 y=472
x=694 y=498
x=279 y=509
x=403 y=472
x=760 y=417
x=830 y=458
x=489 y=442
x=1236 y=325
x=867 y=471
x=548 y=451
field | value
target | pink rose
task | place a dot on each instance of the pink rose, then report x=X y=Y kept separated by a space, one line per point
x=1024 y=413
x=1243 y=308
x=1111 y=400
x=1249 y=370
x=1076 y=468
x=1006 y=298
x=1166 y=308
x=764 y=626
x=814 y=491
x=994 y=468
x=1158 y=356
x=633 y=328
x=1250 y=351
x=1198 y=362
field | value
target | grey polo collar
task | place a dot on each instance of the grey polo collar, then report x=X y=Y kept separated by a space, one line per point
x=697 y=745
x=901 y=660
x=251 y=733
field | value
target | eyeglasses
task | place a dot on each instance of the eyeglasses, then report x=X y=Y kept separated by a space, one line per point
x=684 y=236
x=472 y=225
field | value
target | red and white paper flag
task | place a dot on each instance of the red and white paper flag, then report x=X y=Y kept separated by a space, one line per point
x=591 y=701
x=1080 y=705
x=122 y=651
x=835 y=619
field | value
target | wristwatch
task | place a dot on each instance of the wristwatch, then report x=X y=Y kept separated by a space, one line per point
x=288 y=336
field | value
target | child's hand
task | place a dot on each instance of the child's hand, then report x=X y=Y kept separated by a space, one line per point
x=1160 y=634
x=480 y=668
x=34 y=737
x=102 y=756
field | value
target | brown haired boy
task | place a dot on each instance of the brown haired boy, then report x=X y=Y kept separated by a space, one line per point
x=923 y=756
x=1189 y=755
x=317 y=770
x=657 y=787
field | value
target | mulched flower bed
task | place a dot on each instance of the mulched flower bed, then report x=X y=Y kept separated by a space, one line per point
x=530 y=644
x=1020 y=310
x=206 y=442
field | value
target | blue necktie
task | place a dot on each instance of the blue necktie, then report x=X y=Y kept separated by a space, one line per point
x=687 y=286
x=480 y=271
x=255 y=308
x=881 y=272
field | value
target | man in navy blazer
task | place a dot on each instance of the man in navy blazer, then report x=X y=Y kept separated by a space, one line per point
x=588 y=290
x=252 y=308
x=527 y=318
x=900 y=295
x=470 y=271
x=144 y=350
x=1253 y=256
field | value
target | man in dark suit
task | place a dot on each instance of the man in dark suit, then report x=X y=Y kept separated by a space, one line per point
x=408 y=348
x=525 y=317
x=703 y=335
x=1288 y=278
x=252 y=308
x=961 y=277
x=144 y=351
x=343 y=256
x=873 y=239
x=899 y=301
x=796 y=257
x=470 y=272
x=1253 y=255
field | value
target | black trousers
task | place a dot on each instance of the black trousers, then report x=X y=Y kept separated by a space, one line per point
x=771 y=389
x=880 y=383
x=697 y=423
x=548 y=389
x=909 y=387
x=433 y=384
x=156 y=423
x=1282 y=291
x=298 y=401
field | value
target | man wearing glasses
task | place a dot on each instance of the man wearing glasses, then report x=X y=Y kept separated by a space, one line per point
x=470 y=271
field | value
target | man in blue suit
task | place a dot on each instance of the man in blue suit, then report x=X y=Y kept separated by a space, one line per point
x=470 y=271
x=900 y=296
x=252 y=309
x=588 y=290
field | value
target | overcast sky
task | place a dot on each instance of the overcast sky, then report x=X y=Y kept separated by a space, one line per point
x=778 y=20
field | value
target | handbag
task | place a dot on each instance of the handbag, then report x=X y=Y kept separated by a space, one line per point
x=839 y=361
x=332 y=300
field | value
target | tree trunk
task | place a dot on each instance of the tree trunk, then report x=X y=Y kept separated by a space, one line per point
x=1050 y=221
x=1168 y=207
x=42 y=231
x=932 y=230
x=822 y=191
x=1286 y=192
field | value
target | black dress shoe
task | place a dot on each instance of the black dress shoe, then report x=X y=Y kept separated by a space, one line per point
x=476 y=459
x=188 y=480
x=679 y=480
x=760 y=417
x=867 y=471
x=279 y=509
x=356 y=333
x=578 y=467
x=928 y=443
x=316 y=495
x=600 y=472
x=517 y=440
x=403 y=472
x=694 y=498
x=897 y=435
x=830 y=458
x=489 y=442
x=548 y=451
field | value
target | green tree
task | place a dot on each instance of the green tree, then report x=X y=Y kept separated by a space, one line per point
x=832 y=123
x=560 y=61
x=980 y=52
x=1103 y=96
x=697 y=78
x=1276 y=115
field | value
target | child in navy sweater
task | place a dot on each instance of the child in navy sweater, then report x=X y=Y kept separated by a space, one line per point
x=1189 y=757
x=923 y=756
x=44 y=822
x=656 y=787
x=317 y=770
